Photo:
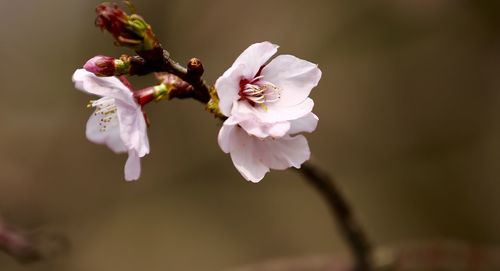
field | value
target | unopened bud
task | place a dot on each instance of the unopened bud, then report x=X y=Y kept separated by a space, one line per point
x=108 y=66
x=128 y=30
x=101 y=66
x=144 y=96
x=195 y=67
x=149 y=94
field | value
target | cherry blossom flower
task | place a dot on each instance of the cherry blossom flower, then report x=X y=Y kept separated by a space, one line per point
x=266 y=104
x=118 y=121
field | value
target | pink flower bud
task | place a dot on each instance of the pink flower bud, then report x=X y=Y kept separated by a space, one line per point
x=101 y=66
x=128 y=30
x=145 y=96
x=112 y=18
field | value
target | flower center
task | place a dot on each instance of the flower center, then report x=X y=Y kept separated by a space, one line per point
x=106 y=109
x=259 y=92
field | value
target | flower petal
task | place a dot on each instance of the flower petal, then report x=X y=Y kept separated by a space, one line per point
x=285 y=152
x=294 y=76
x=102 y=86
x=244 y=159
x=110 y=135
x=254 y=57
x=243 y=154
x=228 y=87
x=224 y=138
x=264 y=130
x=133 y=127
x=272 y=113
x=133 y=166
x=253 y=157
x=308 y=124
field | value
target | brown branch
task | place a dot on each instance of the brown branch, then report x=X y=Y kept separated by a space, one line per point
x=17 y=244
x=31 y=247
x=159 y=60
x=351 y=229
x=156 y=61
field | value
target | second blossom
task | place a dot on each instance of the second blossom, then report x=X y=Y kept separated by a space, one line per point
x=266 y=105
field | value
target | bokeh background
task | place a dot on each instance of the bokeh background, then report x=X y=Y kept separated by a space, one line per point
x=409 y=108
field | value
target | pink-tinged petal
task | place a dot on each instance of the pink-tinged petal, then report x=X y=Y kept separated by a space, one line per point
x=253 y=157
x=294 y=76
x=285 y=152
x=272 y=113
x=228 y=87
x=133 y=128
x=102 y=86
x=244 y=156
x=307 y=124
x=264 y=130
x=225 y=137
x=279 y=129
x=254 y=57
x=133 y=166
x=233 y=120
x=109 y=135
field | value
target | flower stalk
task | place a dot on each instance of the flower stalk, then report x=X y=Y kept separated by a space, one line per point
x=350 y=227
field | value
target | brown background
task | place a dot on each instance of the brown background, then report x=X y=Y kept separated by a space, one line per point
x=409 y=125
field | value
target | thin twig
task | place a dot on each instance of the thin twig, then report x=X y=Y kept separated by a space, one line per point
x=140 y=66
x=159 y=60
x=350 y=227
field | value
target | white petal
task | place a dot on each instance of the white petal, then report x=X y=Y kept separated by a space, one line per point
x=133 y=128
x=294 y=76
x=253 y=157
x=273 y=112
x=233 y=120
x=102 y=86
x=285 y=152
x=308 y=124
x=244 y=156
x=110 y=136
x=132 y=166
x=228 y=87
x=263 y=130
x=245 y=160
x=254 y=57
x=225 y=135
x=279 y=129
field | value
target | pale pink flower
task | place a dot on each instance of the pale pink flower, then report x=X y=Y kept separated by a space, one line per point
x=265 y=105
x=118 y=121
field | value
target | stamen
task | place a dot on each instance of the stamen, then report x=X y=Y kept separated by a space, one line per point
x=107 y=109
x=257 y=78
x=261 y=92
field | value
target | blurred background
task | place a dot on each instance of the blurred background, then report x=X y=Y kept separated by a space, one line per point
x=409 y=108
